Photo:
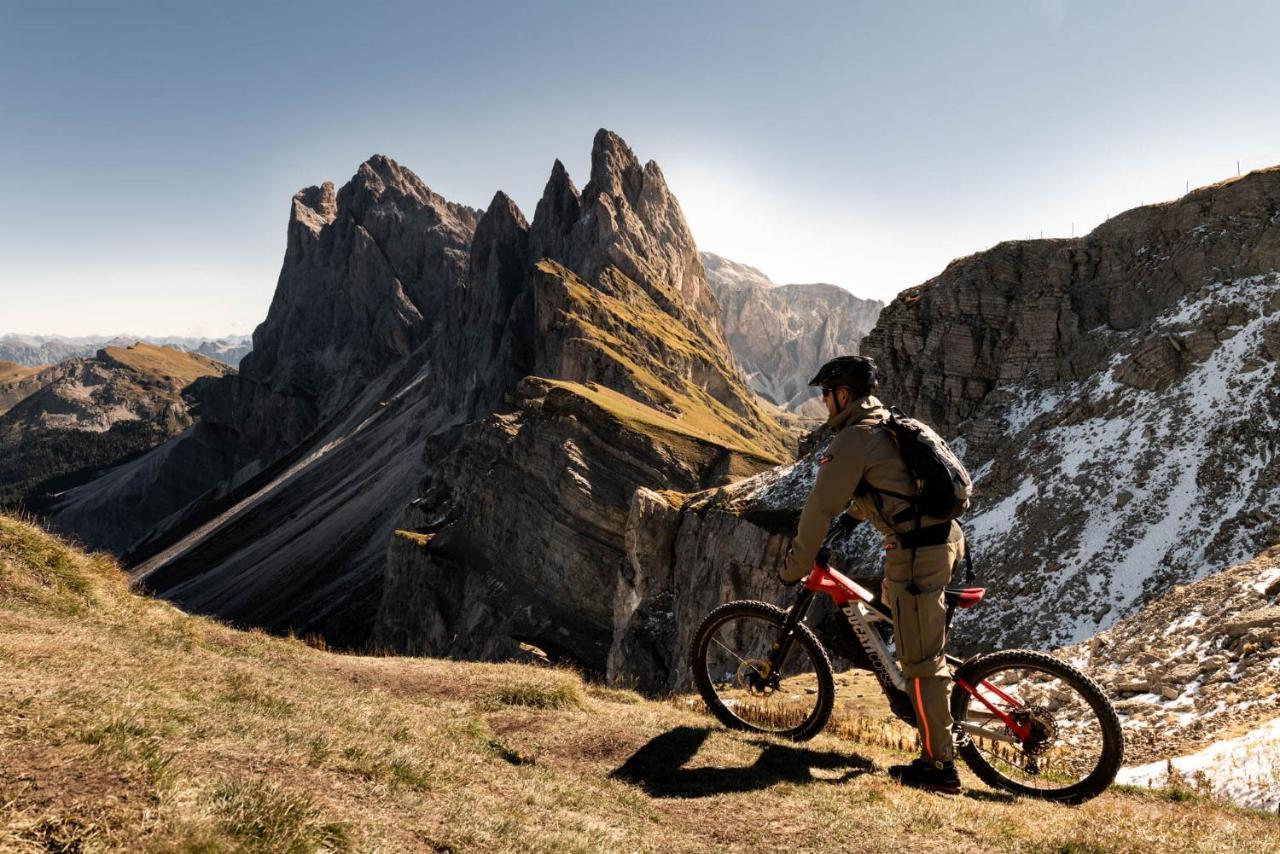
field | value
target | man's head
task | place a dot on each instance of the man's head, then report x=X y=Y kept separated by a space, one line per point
x=845 y=379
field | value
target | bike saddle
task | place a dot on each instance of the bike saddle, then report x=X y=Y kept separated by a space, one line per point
x=964 y=597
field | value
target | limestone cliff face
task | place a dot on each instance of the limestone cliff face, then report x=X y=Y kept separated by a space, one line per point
x=1040 y=312
x=1115 y=397
x=782 y=334
x=632 y=386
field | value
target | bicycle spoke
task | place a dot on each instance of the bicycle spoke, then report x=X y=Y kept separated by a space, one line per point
x=1058 y=742
x=736 y=663
x=717 y=642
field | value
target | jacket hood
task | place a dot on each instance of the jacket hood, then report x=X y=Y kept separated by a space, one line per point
x=867 y=408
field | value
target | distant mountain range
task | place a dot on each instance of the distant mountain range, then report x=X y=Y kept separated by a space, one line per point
x=782 y=334
x=33 y=350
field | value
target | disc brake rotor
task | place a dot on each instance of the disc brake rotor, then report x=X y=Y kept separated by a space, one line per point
x=1044 y=729
x=751 y=676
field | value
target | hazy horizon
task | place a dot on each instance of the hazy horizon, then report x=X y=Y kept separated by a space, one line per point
x=150 y=153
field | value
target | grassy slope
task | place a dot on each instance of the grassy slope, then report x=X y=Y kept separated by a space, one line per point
x=16 y=382
x=634 y=331
x=128 y=724
x=152 y=361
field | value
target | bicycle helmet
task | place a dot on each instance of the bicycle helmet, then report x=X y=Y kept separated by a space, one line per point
x=859 y=373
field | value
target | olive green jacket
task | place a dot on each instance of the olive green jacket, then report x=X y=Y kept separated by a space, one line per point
x=861 y=449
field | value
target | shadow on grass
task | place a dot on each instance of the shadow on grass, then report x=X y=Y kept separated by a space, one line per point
x=658 y=767
x=990 y=797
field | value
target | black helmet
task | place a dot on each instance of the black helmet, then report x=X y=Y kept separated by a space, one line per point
x=859 y=373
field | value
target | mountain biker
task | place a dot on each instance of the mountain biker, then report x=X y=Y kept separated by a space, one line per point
x=920 y=554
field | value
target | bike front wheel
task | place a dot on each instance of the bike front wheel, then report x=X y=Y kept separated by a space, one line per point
x=730 y=661
x=1065 y=745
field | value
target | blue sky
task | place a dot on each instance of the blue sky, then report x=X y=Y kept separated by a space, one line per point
x=148 y=151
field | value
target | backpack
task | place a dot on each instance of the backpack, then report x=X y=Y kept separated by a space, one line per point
x=943 y=487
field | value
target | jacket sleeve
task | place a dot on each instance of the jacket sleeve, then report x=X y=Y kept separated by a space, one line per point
x=837 y=478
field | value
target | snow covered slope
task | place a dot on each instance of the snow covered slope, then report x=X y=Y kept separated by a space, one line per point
x=1191 y=672
x=1107 y=491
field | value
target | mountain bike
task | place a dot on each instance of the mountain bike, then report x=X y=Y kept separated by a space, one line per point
x=1025 y=721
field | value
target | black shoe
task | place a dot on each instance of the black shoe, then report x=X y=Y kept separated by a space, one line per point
x=928 y=775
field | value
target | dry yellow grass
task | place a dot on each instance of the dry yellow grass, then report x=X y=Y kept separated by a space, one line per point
x=11 y=372
x=627 y=329
x=152 y=360
x=128 y=725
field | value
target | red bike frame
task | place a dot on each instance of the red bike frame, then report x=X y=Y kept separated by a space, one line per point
x=858 y=604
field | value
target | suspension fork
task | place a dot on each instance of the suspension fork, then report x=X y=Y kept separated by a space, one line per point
x=782 y=646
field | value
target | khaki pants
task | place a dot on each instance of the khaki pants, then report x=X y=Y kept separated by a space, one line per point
x=913 y=592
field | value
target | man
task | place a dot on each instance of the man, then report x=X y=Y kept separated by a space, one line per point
x=863 y=463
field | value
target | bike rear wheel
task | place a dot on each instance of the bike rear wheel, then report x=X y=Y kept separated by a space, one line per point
x=730 y=658
x=1074 y=745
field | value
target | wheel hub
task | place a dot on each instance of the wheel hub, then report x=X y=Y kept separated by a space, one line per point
x=753 y=676
x=1044 y=729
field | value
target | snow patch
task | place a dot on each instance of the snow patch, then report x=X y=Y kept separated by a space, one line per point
x=1243 y=770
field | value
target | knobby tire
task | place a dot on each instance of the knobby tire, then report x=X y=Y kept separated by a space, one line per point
x=980 y=667
x=816 y=721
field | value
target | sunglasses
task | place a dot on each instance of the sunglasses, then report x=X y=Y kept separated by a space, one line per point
x=827 y=391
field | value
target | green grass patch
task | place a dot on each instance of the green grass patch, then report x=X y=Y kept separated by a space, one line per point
x=548 y=693
x=265 y=817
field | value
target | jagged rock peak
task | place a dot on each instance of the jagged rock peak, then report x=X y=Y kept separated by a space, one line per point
x=382 y=180
x=313 y=208
x=614 y=168
x=319 y=203
x=503 y=208
x=625 y=218
x=502 y=233
x=555 y=215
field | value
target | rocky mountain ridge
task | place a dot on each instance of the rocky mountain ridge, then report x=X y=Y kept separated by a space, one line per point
x=782 y=334
x=498 y=390
x=69 y=420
